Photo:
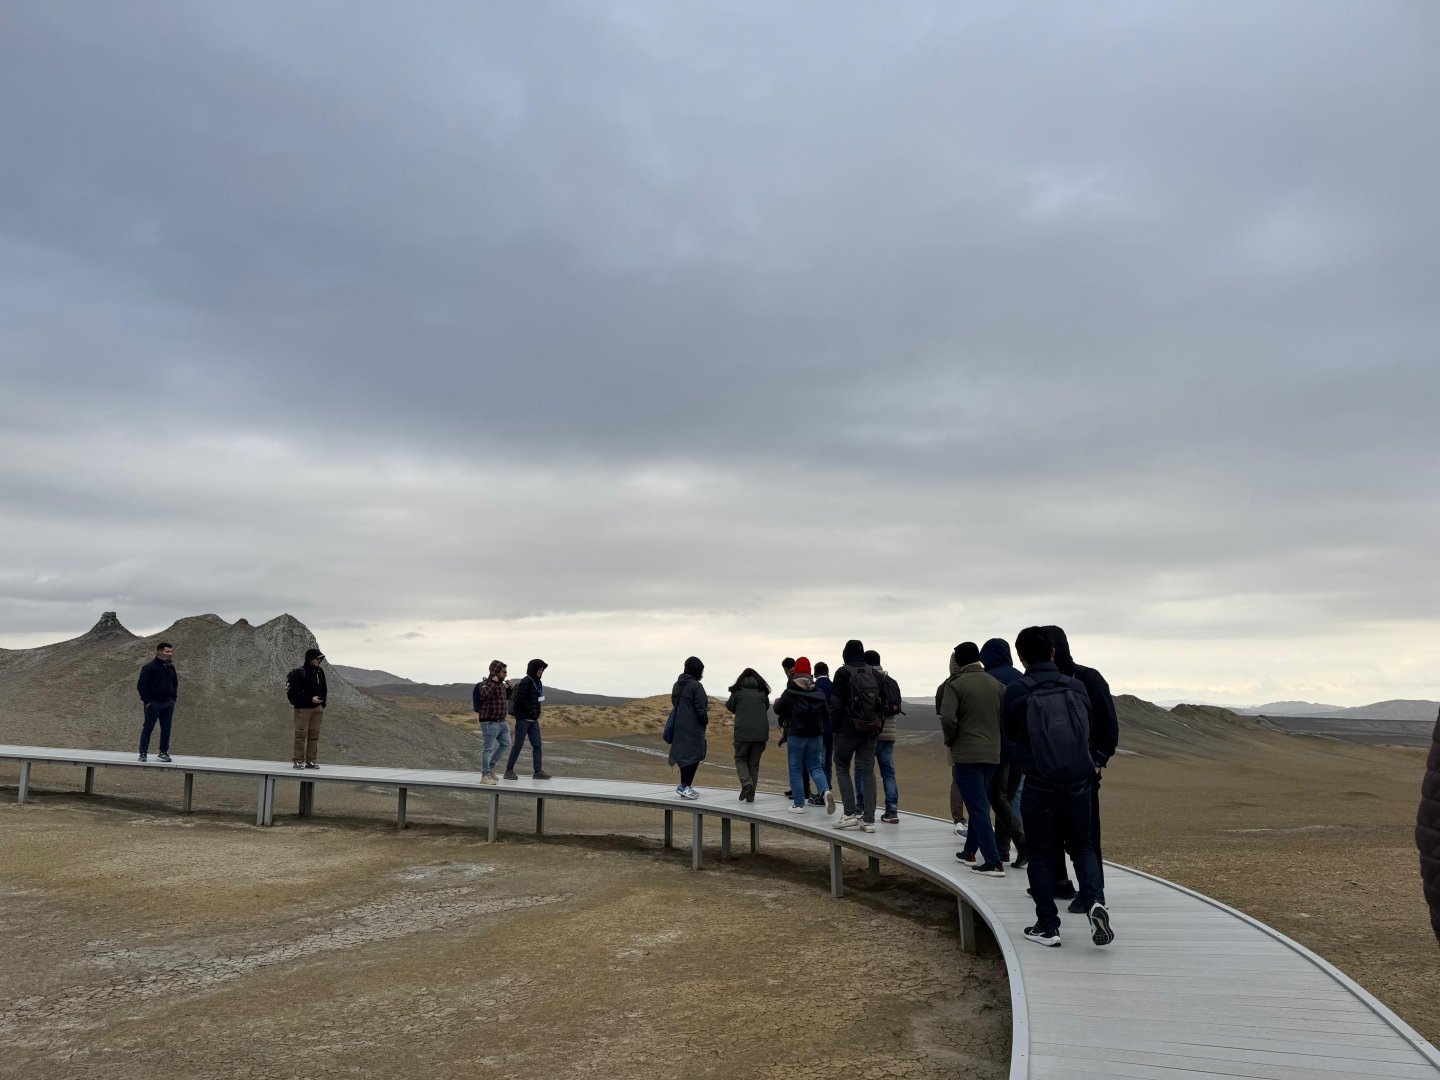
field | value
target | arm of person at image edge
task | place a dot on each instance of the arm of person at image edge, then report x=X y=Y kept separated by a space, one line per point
x=156 y=683
x=1427 y=830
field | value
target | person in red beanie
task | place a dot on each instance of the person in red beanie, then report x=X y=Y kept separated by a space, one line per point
x=802 y=709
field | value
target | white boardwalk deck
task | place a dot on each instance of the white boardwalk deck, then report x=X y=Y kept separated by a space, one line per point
x=1189 y=989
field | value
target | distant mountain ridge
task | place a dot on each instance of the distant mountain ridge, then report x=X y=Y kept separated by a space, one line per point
x=363 y=677
x=461 y=692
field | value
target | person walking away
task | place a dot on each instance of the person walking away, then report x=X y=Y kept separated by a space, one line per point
x=893 y=707
x=1005 y=783
x=803 y=709
x=158 y=686
x=970 y=720
x=1427 y=830
x=491 y=698
x=957 y=801
x=1047 y=714
x=692 y=716
x=749 y=701
x=305 y=687
x=525 y=701
x=858 y=719
x=1104 y=738
x=826 y=687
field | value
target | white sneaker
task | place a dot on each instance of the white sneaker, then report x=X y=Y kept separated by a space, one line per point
x=680 y=790
x=829 y=801
x=690 y=793
x=795 y=809
x=867 y=826
x=961 y=828
x=847 y=821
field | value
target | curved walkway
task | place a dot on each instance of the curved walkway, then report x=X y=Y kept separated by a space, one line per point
x=1189 y=989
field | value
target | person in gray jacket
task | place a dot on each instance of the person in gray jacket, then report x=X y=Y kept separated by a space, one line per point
x=750 y=702
x=691 y=708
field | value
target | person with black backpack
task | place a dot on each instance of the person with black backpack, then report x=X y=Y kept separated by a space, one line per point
x=802 y=709
x=858 y=716
x=892 y=705
x=526 y=700
x=306 y=690
x=1047 y=715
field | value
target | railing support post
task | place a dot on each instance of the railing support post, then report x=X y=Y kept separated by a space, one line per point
x=24 y=781
x=89 y=779
x=189 y=793
x=697 y=842
x=400 y=808
x=539 y=817
x=837 y=872
x=873 y=870
x=968 y=940
x=494 y=822
x=754 y=837
x=669 y=828
x=724 y=838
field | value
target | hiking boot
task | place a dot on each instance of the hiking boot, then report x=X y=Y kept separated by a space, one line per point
x=989 y=869
x=847 y=821
x=488 y=778
x=867 y=826
x=828 y=801
x=163 y=756
x=144 y=757
x=891 y=818
x=1041 y=936
x=1101 y=933
x=1065 y=891
x=795 y=809
x=541 y=775
x=510 y=775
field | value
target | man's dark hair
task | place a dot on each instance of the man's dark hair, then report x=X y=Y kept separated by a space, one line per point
x=872 y=658
x=1033 y=645
x=163 y=645
x=821 y=668
x=787 y=664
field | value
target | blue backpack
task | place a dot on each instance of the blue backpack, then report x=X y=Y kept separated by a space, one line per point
x=1057 y=722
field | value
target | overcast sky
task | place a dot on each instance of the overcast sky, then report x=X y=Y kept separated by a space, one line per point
x=612 y=333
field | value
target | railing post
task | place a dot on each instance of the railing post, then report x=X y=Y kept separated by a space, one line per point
x=260 y=801
x=873 y=870
x=24 y=781
x=837 y=872
x=697 y=842
x=400 y=809
x=269 y=800
x=494 y=817
x=89 y=779
x=189 y=792
x=669 y=828
x=307 y=798
x=539 y=817
x=968 y=941
x=724 y=838
x=754 y=837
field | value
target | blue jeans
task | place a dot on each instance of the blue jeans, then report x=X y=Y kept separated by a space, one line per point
x=497 y=740
x=974 y=784
x=807 y=758
x=522 y=729
x=1057 y=819
x=161 y=711
x=885 y=762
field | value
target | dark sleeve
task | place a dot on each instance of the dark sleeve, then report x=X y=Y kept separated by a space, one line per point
x=730 y=701
x=841 y=682
x=1427 y=831
x=1104 y=723
x=324 y=690
x=142 y=684
x=475 y=696
x=1013 y=709
x=295 y=688
x=783 y=705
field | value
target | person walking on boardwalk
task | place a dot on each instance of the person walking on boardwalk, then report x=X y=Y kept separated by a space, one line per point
x=749 y=701
x=826 y=687
x=1048 y=715
x=803 y=709
x=525 y=702
x=858 y=718
x=691 y=710
x=1104 y=738
x=885 y=741
x=970 y=718
x=1427 y=830
x=491 y=698
x=305 y=687
x=158 y=686
x=1005 y=782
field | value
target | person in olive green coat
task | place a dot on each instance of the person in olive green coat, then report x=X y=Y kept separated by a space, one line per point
x=970 y=704
x=750 y=702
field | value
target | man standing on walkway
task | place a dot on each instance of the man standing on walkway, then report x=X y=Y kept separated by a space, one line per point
x=885 y=741
x=305 y=687
x=970 y=719
x=158 y=686
x=858 y=718
x=490 y=699
x=1047 y=715
x=525 y=702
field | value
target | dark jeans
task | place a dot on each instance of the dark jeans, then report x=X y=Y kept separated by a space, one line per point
x=1008 y=828
x=747 y=762
x=687 y=773
x=974 y=784
x=525 y=728
x=1057 y=819
x=162 y=711
x=885 y=762
x=850 y=746
x=1059 y=860
x=829 y=765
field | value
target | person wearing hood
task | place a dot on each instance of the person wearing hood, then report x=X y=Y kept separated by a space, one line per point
x=1104 y=738
x=995 y=656
x=491 y=698
x=803 y=709
x=1427 y=830
x=826 y=687
x=970 y=719
x=749 y=701
x=884 y=757
x=525 y=702
x=692 y=715
x=158 y=687
x=1008 y=779
x=305 y=687
x=856 y=714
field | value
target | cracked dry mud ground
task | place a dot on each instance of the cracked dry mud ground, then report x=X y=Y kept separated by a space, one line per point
x=153 y=946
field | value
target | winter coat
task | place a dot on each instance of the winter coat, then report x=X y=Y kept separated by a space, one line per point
x=1104 y=723
x=1427 y=830
x=803 y=708
x=841 y=723
x=1017 y=701
x=158 y=682
x=304 y=684
x=491 y=696
x=692 y=714
x=526 y=699
x=995 y=655
x=970 y=714
x=751 y=707
x=826 y=687
x=887 y=733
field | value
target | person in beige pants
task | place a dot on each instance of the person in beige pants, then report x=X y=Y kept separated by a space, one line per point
x=305 y=687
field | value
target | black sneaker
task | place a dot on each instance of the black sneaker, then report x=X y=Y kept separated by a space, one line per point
x=144 y=757
x=816 y=800
x=890 y=819
x=312 y=765
x=969 y=860
x=1100 y=925
x=989 y=869
x=1041 y=936
x=1078 y=907
x=163 y=756
x=1021 y=861
x=1065 y=892
x=747 y=792
x=788 y=795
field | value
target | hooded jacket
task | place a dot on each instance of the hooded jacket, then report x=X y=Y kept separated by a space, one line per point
x=751 y=706
x=853 y=657
x=1104 y=723
x=1016 y=705
x=1427 y=830
x=529 y=693
x=491 y=695
x=692 y=715
x=158 y=682
x=803 y=708
x=306 y=683
x=995 y=655
x=970 y=714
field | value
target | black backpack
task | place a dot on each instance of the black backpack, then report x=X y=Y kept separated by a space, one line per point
x=866 y=706
x=1057 y=722
x=891 y=701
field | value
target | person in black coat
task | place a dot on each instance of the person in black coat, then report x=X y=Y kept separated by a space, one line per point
x=306 y=690
x=1427 y=830
x=158 y=687
x=525 y=702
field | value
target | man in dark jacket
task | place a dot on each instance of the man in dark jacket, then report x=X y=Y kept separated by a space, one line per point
x=826 y=687
x=857 y=691
x=490 y=698
x=1427 y=830
x=803 y=709
x=1104 y=738
x=1057 y=807
x=305 y=687
x=158 y=686
x=1005 y=784
x=525 y=702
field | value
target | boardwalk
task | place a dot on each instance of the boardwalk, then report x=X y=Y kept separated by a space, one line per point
x=1190 y=988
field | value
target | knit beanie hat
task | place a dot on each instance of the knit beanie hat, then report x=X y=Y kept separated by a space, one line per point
x=802 y=666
